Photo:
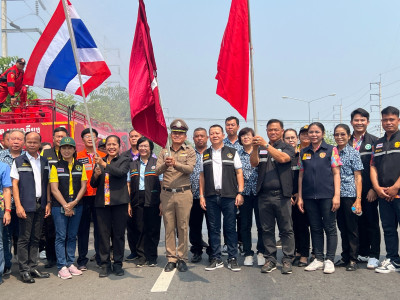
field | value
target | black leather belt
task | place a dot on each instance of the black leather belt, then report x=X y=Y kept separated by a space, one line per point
x=275 y=192
x=177 y=190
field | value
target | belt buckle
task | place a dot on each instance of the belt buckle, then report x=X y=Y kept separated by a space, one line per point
x=173 y=190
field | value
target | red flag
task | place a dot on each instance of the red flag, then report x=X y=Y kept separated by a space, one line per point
x=146 y=112
x=233 y=61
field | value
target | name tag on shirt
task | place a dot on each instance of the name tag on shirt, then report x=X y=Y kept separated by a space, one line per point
x=306 y=156
x=263 y=152
x=60 y=169
x=379 y=145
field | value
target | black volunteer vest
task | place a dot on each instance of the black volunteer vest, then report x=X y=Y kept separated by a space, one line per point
x=26 y=183
x=365 y=154
x=229 y=187
x=387 y=159
x=318 y=175
x=63 y=180
x=51 y=156
x=151 y=183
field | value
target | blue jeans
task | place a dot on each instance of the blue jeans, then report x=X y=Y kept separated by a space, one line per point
x=1 y=246
x=390 y=218
x=322 y=219
x=66 y=233
x=7 y=246
x=215 y=206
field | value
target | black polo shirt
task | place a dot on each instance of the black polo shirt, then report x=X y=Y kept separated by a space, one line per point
x=386 y=159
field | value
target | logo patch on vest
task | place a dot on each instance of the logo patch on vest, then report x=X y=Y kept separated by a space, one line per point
x=229 y=155
x=49 y=158
x=397 y=144
x=263 y=152
x=78 y=168
x=60 y=169
x=26 y=165
x=322 y=155
x=153 y=167
x=306 y=156
x=368 y=147
x=379 y=145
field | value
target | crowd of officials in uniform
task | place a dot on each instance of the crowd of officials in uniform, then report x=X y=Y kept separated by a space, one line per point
x=296 y=180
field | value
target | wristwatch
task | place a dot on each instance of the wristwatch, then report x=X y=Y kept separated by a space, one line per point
x=240 y=193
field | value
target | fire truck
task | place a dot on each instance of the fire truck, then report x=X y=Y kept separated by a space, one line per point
x=44 y=115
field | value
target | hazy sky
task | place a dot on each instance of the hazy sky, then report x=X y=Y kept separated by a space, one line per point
x=302 y=49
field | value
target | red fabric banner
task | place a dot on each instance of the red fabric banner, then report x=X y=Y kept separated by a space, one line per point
x=146 y=112
x=233 y=61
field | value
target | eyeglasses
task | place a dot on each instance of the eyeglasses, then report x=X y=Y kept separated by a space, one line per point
x=143 y=147
x=291 y=138
x=340 y=134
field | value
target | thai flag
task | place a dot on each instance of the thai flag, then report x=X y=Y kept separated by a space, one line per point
x=52 y=63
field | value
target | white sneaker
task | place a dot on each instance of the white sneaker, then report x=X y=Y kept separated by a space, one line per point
x=372 y=263
x=387 y=266
x=42 y=254
x=248 y=260
x=329 y=267
x=260 y=259
x=362 y=258
x=315 y=265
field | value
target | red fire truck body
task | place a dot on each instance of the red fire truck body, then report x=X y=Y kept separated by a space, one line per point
x=44 y=115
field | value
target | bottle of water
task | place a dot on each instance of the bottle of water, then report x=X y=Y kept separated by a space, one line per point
x=353 y=209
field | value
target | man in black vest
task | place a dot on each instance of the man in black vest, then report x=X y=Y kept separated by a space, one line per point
x=30 y=174
x=52 y=156
x=274 y=190
x=221 y=187
x=368 y=223
x=385 y=178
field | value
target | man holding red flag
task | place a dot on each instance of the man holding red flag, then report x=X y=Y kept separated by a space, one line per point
x=146 y=111
x=233 y=61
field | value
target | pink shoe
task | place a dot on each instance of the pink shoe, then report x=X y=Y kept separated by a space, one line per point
x=74 y=270
x=64 y=273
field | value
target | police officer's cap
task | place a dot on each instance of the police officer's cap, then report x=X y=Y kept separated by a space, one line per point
x=179 y=125
x=304 y=129
x=21 y=60
x=67 y=141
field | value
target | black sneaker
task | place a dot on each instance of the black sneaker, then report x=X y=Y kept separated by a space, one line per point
x=118 y=270
x=286 y=268
x=152 y=263
x=233 y=265
x=105 y=271
x=7 y=271
x=268 y=267
x=196 y=258
x=216 y=263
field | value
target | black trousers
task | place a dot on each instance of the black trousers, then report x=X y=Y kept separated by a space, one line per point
x=348 y=226
x=50 y=235
x=276 y=207
x=195 y=228
x=147 y=221
x=368 y=229
x=132 y=234
x=88 y=214
x=111 y=220
x=28 y=240
x=246 y=218
x=301 y=231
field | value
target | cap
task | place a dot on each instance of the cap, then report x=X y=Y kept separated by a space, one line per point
x=67 y=141
x=304 y=128
x=179 y=125
x=21 y=60
x=102 y=143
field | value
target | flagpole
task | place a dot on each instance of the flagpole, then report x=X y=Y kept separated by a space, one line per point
x=253 y=91
x=159 y=99
x=77 y=64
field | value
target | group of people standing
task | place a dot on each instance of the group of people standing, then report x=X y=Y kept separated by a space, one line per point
x=296 y=181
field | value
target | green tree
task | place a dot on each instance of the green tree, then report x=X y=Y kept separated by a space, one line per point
x=66 y=99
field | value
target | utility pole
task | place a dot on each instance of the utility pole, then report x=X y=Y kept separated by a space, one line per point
x=4 y=28
x=339 y=106
x=379 y=84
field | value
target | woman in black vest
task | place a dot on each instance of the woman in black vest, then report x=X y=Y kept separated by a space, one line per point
x=112 y=204
x=145 y=191
x=300 y=220
x=319 y=194
x=68 y=185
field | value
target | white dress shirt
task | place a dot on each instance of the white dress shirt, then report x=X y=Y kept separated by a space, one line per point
x=35 y=163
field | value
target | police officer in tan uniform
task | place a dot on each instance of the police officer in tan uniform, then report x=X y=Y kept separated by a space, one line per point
x=176 y=164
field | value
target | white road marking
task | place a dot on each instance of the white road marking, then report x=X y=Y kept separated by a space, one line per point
x=163 y=282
